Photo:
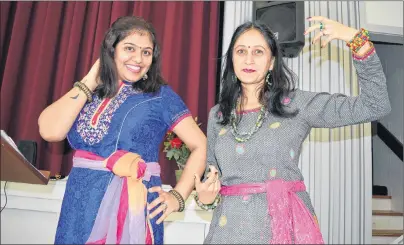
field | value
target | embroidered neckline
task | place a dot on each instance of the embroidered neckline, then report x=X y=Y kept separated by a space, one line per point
x=101 y=108
x=94 y=134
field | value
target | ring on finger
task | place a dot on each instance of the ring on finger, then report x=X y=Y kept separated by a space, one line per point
x=165 y=205
x=321 y=26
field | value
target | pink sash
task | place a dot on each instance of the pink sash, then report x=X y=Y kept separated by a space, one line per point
x=121 y=218
x=291 y=221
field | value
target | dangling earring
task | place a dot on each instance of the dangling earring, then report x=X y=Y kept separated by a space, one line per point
x=145 y=77
x=234 y=78
x=268 y=79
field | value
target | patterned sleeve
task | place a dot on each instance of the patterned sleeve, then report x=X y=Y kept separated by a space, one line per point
x=324 y=110
x=174 y=108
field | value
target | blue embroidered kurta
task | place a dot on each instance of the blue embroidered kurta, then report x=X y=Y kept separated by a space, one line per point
x=131 y=121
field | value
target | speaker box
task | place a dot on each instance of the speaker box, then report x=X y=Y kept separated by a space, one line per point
x=28 y=148
x=379 y=190
x=286 y=20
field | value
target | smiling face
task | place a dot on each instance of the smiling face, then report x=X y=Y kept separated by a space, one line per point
x=134 y=56
x=252 y=57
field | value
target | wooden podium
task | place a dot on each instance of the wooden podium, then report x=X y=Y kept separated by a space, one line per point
x=15 y=168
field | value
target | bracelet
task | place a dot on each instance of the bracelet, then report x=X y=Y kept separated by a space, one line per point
x=179 y=198
x=85 y=90
x=207 y=207
x=358 y=40
x=366 y=54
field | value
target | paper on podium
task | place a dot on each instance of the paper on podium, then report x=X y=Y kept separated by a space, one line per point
x=15 y=167
x=9 y=140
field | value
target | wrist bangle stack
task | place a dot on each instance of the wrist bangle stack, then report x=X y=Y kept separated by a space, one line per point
x=179 y=198
x=207 y=207
x=366 y=53
x=85 y=90
x=359 y=40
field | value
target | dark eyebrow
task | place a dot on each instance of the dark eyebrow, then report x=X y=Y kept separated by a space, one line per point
x=241 y=45
x=138 y=46
x=260 y=46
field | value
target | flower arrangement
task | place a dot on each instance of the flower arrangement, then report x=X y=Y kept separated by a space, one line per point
x=175 y=148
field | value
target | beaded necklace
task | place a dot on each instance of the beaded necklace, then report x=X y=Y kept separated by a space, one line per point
x=243 y=137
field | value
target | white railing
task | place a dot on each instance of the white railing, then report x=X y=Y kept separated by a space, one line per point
x=398 y=240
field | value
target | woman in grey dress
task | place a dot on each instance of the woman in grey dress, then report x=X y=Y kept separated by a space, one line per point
x=256 y=131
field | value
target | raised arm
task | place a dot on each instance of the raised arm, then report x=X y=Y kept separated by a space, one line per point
x=57 y=119
x=324 y=110
x=336 y=110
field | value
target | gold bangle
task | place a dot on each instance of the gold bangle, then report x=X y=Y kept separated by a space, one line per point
x=179 y=198
x=85 y=90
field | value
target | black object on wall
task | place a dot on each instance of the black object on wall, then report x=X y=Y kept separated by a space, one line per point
x=286 y=20
x=28 y=148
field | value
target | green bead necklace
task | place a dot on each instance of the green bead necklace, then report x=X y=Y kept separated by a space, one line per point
x=242 y=136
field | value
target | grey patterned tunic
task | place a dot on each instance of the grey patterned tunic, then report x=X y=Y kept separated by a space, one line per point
x=273 y=152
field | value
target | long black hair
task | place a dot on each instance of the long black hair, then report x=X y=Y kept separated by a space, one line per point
x=108 y=74
x=282 y=79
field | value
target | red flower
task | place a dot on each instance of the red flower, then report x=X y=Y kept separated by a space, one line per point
x=176 y=143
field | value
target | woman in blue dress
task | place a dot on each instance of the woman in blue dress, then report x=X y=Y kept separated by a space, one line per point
x=115 y=119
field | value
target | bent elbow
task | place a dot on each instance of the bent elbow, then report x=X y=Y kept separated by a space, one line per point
x=51 y=137
x=381 y=112
x=385 y=110
x=49 y=134
x=201 y=145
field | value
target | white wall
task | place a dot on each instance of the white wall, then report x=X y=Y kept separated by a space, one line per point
x=388 y=13
x=384 y=13
x=383 y=19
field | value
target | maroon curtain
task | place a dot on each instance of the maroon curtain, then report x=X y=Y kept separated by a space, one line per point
x=47 y=46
